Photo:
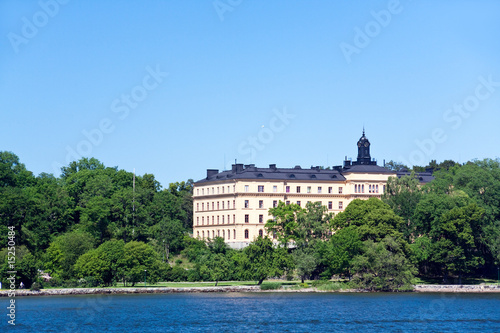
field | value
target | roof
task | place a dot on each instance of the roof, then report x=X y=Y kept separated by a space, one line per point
x=366 y=168
x=273 y=173
x=423 y=177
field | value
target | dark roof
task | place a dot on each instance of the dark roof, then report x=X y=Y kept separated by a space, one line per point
x=240 y=171
x=362 y=168
x=423 y=177
x=272 y=173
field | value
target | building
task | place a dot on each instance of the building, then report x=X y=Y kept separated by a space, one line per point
x=234 y=204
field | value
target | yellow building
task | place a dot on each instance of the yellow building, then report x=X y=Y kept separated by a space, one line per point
x=234 y=204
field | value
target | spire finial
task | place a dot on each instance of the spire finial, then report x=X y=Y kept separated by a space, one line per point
x=363 y=130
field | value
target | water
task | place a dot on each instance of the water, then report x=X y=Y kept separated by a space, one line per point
x=258 y=312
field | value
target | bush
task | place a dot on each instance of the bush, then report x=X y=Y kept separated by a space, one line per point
x=35 y=286
x=332 y=286
x=270 y=286
x=178 y=261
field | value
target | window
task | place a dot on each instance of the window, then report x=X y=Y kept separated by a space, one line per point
x=260 y=233
x=384 y=189
x=260 y=188
x=298 y=203
x=213 y=220
x=376 y=188
x=213 y=190
x=246 y=233
x=298 y=189
x=222 y=219
x=218 y=221
x=228 y=234
x=309 y=189
x=234 y=218
x=198 y=234
x=223 y=203
x=228 y=205
x=234 y=233
x=203 y=234
x=369 y=189
x=202 y=220
x=330 y=189
x=330 y=205
x=198 y=221
x=261 y=218
x=197 y=206
x=202 y=206
x=223 y=234
x=288 y=189
x=213 y=234
x=287 y=202
x=234 y=188
x=217 y=205
x=275 y=203
x=218 y=233
x=320 y=189
x=228 y=219
x=340 y=190
x=247 y=204
x=261 y=203
x=246 y=188
x=355 y=188
x=228 y=189
x=247 y=218
x=341 y=204
x=217 y=189
x=363 y=188
x=222 y=189
x=213 y=205
x=275 y=188
x=234 y=204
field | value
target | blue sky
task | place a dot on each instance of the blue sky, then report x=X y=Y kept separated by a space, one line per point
x=175 y=87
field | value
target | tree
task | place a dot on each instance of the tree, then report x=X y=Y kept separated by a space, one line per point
x=101 y=264
x=305 y=262
x=218 y=266
x=402 y=195
x=26 y=266
x=262 y=260
x=284 y=223
x=383 y=267
x=337 y=254
x=64 y=251
x=139 y=259
x=395 y=166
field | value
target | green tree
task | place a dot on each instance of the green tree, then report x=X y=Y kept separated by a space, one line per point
x=305 y=261
x=383 y=266
x=139 y=259
x=218 y=266
x=337 y=254
x=64 y=251
x=262 y=260
x=284 y=223
x=102 y=264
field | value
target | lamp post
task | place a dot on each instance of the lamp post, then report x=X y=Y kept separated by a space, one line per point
x=144 y=278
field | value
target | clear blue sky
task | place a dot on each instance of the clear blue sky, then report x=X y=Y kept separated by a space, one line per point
x=408 y=71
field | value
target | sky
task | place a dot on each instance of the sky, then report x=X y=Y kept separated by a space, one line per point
x=174 y=88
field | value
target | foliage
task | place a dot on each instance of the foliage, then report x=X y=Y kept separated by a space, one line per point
x=383 y=267
x=270 y=286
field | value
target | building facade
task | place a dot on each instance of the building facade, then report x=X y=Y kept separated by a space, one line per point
x=234 y=204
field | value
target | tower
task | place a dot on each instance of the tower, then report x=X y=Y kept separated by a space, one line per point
x=363 y=150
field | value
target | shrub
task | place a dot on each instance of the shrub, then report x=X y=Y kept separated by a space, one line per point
x=35 y=286
x=270 y=286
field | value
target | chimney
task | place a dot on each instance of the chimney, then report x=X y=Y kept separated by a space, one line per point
x=272 y=166
x=237 y=168
x=212 y=172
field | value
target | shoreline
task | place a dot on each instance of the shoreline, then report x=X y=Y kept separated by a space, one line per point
x=236 y=289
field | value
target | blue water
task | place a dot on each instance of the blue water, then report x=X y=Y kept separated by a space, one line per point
x=258 y=312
